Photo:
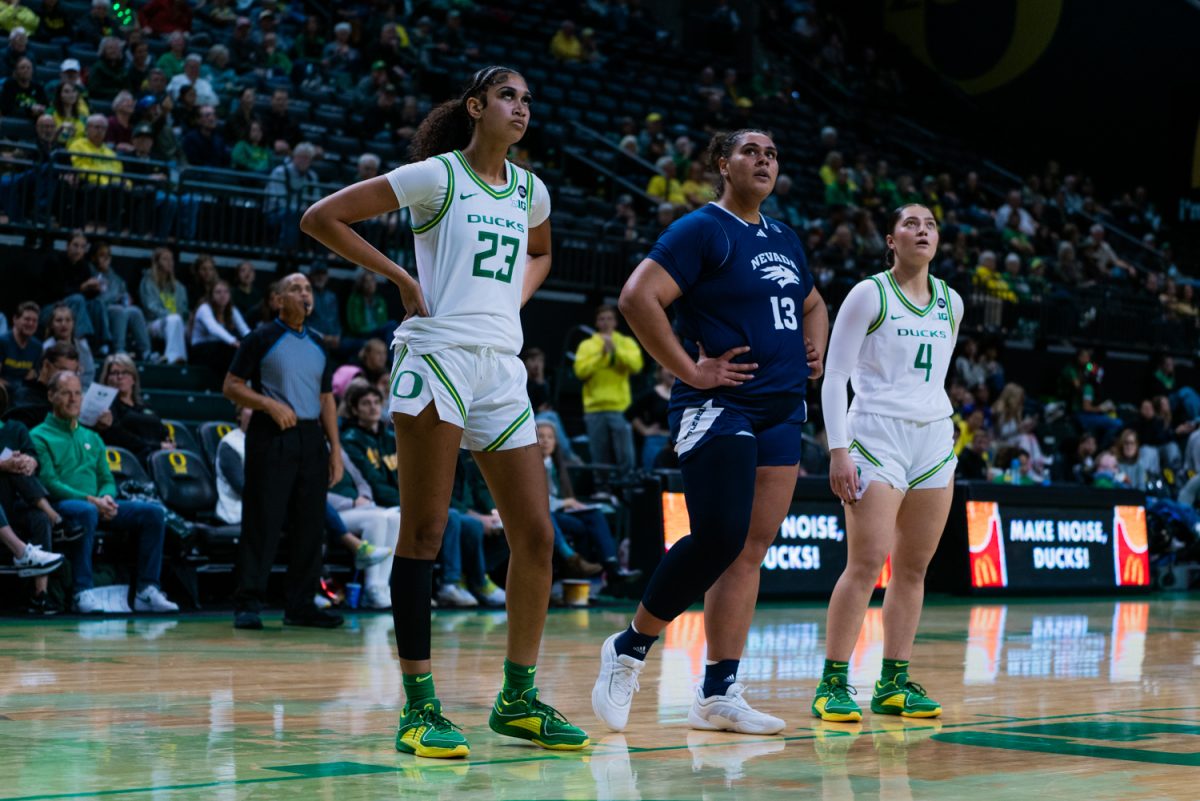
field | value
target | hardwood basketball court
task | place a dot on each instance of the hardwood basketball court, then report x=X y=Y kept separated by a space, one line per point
x=1083 y=699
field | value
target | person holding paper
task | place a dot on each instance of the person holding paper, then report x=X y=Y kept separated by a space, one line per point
x=97 y=402
x=135 y=426
x=75 y=470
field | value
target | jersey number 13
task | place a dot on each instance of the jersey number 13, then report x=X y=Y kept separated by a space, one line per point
x=784 y=310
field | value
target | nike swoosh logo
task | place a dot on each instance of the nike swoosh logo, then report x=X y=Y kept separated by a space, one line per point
x=423 y=678
x=532 y=669
x=896 y=316
x=461 y=196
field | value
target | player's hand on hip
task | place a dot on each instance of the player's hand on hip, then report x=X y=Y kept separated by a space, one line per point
x=721 y=371
x=816 y=367
x=412 y=297
x=843 y=476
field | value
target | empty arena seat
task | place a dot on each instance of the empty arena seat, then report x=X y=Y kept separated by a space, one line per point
x=211 y=434
x=181 y=435
x=184 y=482
x=124 y=465
x=188 y=405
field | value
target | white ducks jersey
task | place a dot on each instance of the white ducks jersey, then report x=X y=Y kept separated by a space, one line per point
x=905 y=355
x=471 y=244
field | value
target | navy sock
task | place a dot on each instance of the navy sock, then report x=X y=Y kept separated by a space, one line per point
x=632 y=642
x=719 y=676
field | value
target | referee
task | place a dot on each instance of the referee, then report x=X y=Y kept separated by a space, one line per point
x=282 y=373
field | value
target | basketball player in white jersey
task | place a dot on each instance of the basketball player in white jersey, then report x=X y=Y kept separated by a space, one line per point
x=891 y=459
x=482 y=232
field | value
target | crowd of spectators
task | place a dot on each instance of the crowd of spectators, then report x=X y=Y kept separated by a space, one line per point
x=181 y=86
x=133 y=99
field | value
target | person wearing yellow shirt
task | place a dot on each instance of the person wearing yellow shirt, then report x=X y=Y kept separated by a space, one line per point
x=666 y=185
x=565 y=45
x=604 y=362
x=697 y=188
x=92 y=153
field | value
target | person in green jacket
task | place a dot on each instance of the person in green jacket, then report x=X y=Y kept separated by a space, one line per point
x=73 y=466
x=249 y=155
x=366 y=311
x=109 y=75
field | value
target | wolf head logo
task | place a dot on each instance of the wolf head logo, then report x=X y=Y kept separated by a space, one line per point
x=780 y=274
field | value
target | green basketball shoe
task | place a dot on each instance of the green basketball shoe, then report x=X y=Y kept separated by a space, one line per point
x=424 y=731
x=903 y=697
x=530 y=719
x=833 y=702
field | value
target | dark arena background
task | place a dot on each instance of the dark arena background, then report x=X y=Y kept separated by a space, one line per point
x=151 y=150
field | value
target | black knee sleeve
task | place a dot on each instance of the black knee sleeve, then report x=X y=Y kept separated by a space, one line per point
x=412 y=588
x=718 y=483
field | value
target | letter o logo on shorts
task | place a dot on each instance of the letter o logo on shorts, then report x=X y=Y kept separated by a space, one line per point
x=418 y=384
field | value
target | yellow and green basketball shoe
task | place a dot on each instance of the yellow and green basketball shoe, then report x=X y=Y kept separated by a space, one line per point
x=903 y=697
x=530 y=719
x=424 y=731
x=833 y=702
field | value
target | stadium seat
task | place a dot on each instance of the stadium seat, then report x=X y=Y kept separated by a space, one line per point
x=184 y=482
x=124 y=465
x=188 y=405
x=211 y=434
x=187 y=486
x=169 y=376
x=181 y=435
x=16 y=129
x=45 y=52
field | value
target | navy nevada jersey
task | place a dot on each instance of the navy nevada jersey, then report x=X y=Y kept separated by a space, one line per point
x=742 y=284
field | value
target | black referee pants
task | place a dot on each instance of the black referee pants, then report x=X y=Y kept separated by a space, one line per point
x=287 y=476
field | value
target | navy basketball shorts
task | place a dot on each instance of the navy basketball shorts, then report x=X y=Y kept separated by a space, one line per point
x=775 y=422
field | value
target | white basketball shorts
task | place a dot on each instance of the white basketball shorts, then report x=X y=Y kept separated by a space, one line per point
x=477 y=389
x=902 y=453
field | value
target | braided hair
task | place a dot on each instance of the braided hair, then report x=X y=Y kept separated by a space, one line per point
x=448 y=126
x=721 y=147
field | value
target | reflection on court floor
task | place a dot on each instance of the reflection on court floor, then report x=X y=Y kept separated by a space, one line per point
x=1064 y=699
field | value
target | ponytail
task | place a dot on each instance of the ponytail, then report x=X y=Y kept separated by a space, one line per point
x=448 y=126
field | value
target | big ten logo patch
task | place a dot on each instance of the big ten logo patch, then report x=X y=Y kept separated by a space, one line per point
x=114 y=460
x=178 y=462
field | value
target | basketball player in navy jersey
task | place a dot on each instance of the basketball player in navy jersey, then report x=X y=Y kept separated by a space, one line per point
x=753 y=331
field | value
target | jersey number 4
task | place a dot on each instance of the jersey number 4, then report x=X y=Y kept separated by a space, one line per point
x=924 y=360
x=785 y=313
x=496 y=241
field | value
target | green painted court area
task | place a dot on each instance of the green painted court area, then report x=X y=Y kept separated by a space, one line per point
x=1087 y=699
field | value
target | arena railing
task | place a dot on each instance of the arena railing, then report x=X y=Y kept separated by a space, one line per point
x=221 y=210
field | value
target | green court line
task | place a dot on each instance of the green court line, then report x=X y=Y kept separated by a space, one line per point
x=323 y=770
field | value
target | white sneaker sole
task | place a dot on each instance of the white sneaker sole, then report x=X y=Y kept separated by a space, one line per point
x=611 y=715
x=39 y=570
x=719 y=723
